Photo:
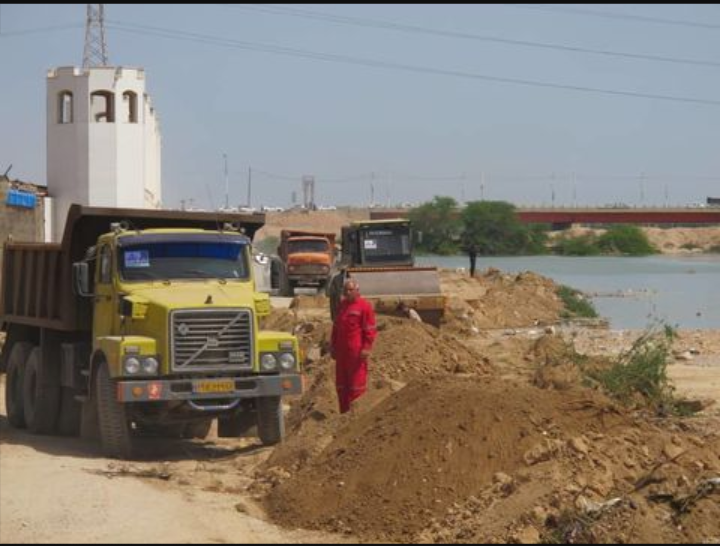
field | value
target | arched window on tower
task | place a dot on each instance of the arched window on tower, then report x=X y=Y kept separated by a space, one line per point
x=130 y=107
x=102 y=106
x=65 y=107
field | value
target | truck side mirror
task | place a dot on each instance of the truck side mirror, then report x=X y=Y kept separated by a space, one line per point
x=81 y=279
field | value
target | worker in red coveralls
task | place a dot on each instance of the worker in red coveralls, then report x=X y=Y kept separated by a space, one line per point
x=352 y=340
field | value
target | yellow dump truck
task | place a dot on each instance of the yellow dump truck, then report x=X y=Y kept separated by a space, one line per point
x=143 y=322
x=379 y=255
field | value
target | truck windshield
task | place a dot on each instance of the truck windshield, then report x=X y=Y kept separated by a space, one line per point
x=307 y=245
x=387 y=245
x=183 y=260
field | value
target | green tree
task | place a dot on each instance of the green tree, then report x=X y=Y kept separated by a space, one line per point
x=439 y=225
x=494 y=228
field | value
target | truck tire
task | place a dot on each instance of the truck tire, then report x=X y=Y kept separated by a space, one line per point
x=285 y=289
x=89 y=426
x=113 y=421
x=270 y=422
x=70 y=409
x=14 y=383
x=41 y=394
x=236 y=425
x=199 y=429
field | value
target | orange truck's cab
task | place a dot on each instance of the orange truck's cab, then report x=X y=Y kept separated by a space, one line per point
x=308 y=258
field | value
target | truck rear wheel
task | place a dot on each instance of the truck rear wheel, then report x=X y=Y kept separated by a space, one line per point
x=41 y=393
x=14 y=383
x=113 y=421
x=271 y=425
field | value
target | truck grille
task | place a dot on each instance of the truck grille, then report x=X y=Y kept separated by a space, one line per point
x=211 y=340
x=309 y=269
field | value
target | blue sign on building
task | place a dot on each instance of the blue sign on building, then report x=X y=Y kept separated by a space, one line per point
x=23 y=199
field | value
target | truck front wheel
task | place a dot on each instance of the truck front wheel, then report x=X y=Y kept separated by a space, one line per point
x=112 y=418
x=271 y=425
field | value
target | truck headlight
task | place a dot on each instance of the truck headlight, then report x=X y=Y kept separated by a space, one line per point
x=287 y=362
x=132 y=365
x=150 y=365
x=268 y=362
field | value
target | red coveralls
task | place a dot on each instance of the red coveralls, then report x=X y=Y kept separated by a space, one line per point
x=353 y=331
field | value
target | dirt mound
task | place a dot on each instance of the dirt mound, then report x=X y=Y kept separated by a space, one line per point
x=323 y=221
x=404 y=350
x=679 y=240
x=499 y=300
x=475 y=459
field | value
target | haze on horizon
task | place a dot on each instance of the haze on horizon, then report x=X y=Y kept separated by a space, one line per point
x=530 y=104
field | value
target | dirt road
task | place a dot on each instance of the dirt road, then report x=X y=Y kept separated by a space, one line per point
x=61 y=490
x=454 y=473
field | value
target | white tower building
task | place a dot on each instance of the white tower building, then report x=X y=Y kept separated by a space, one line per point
x=103 y=141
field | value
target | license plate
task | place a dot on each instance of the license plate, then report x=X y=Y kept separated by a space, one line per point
x=205 y=387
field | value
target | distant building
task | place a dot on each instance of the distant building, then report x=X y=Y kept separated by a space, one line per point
x=713 y=201
x=103 y=141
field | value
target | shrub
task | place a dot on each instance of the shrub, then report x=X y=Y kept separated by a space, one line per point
x=584 y=245
x=626 y=240
x=575 y=303
x=641 y=372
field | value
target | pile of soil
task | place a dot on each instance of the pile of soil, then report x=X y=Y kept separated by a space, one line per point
x=494 y=299
x=470 y=459
x=404 y=350
x=320 y=221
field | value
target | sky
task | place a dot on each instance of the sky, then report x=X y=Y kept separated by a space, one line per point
x=532 y=104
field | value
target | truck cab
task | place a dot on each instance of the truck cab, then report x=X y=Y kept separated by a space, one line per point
x=308 y=258
x=161 y=334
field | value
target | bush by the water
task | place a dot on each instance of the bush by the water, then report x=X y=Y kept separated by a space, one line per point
x=575 y=303
x=621 y=240
x=626 y=240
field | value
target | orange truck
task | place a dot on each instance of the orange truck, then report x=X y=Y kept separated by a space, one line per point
x=308 y=257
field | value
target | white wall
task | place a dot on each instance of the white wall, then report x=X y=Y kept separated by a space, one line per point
x=95 y=162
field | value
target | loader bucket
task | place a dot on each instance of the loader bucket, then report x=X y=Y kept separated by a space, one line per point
x=418 y=287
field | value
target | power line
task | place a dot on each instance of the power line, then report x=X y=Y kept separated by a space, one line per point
x=318 y=179
x=328 y=57
x=611 y=15
x=8 y=34
x=387 y=25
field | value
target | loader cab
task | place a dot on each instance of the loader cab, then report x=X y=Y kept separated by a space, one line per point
x=378 y=243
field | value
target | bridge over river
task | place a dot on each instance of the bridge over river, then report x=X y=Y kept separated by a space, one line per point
x=565 y=217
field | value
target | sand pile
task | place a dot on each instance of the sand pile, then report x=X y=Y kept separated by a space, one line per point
x=494 y=299
x=678 y=240
x=404 y=350
x=467 y=459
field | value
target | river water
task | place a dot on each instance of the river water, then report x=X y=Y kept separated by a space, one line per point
x=629 y=292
